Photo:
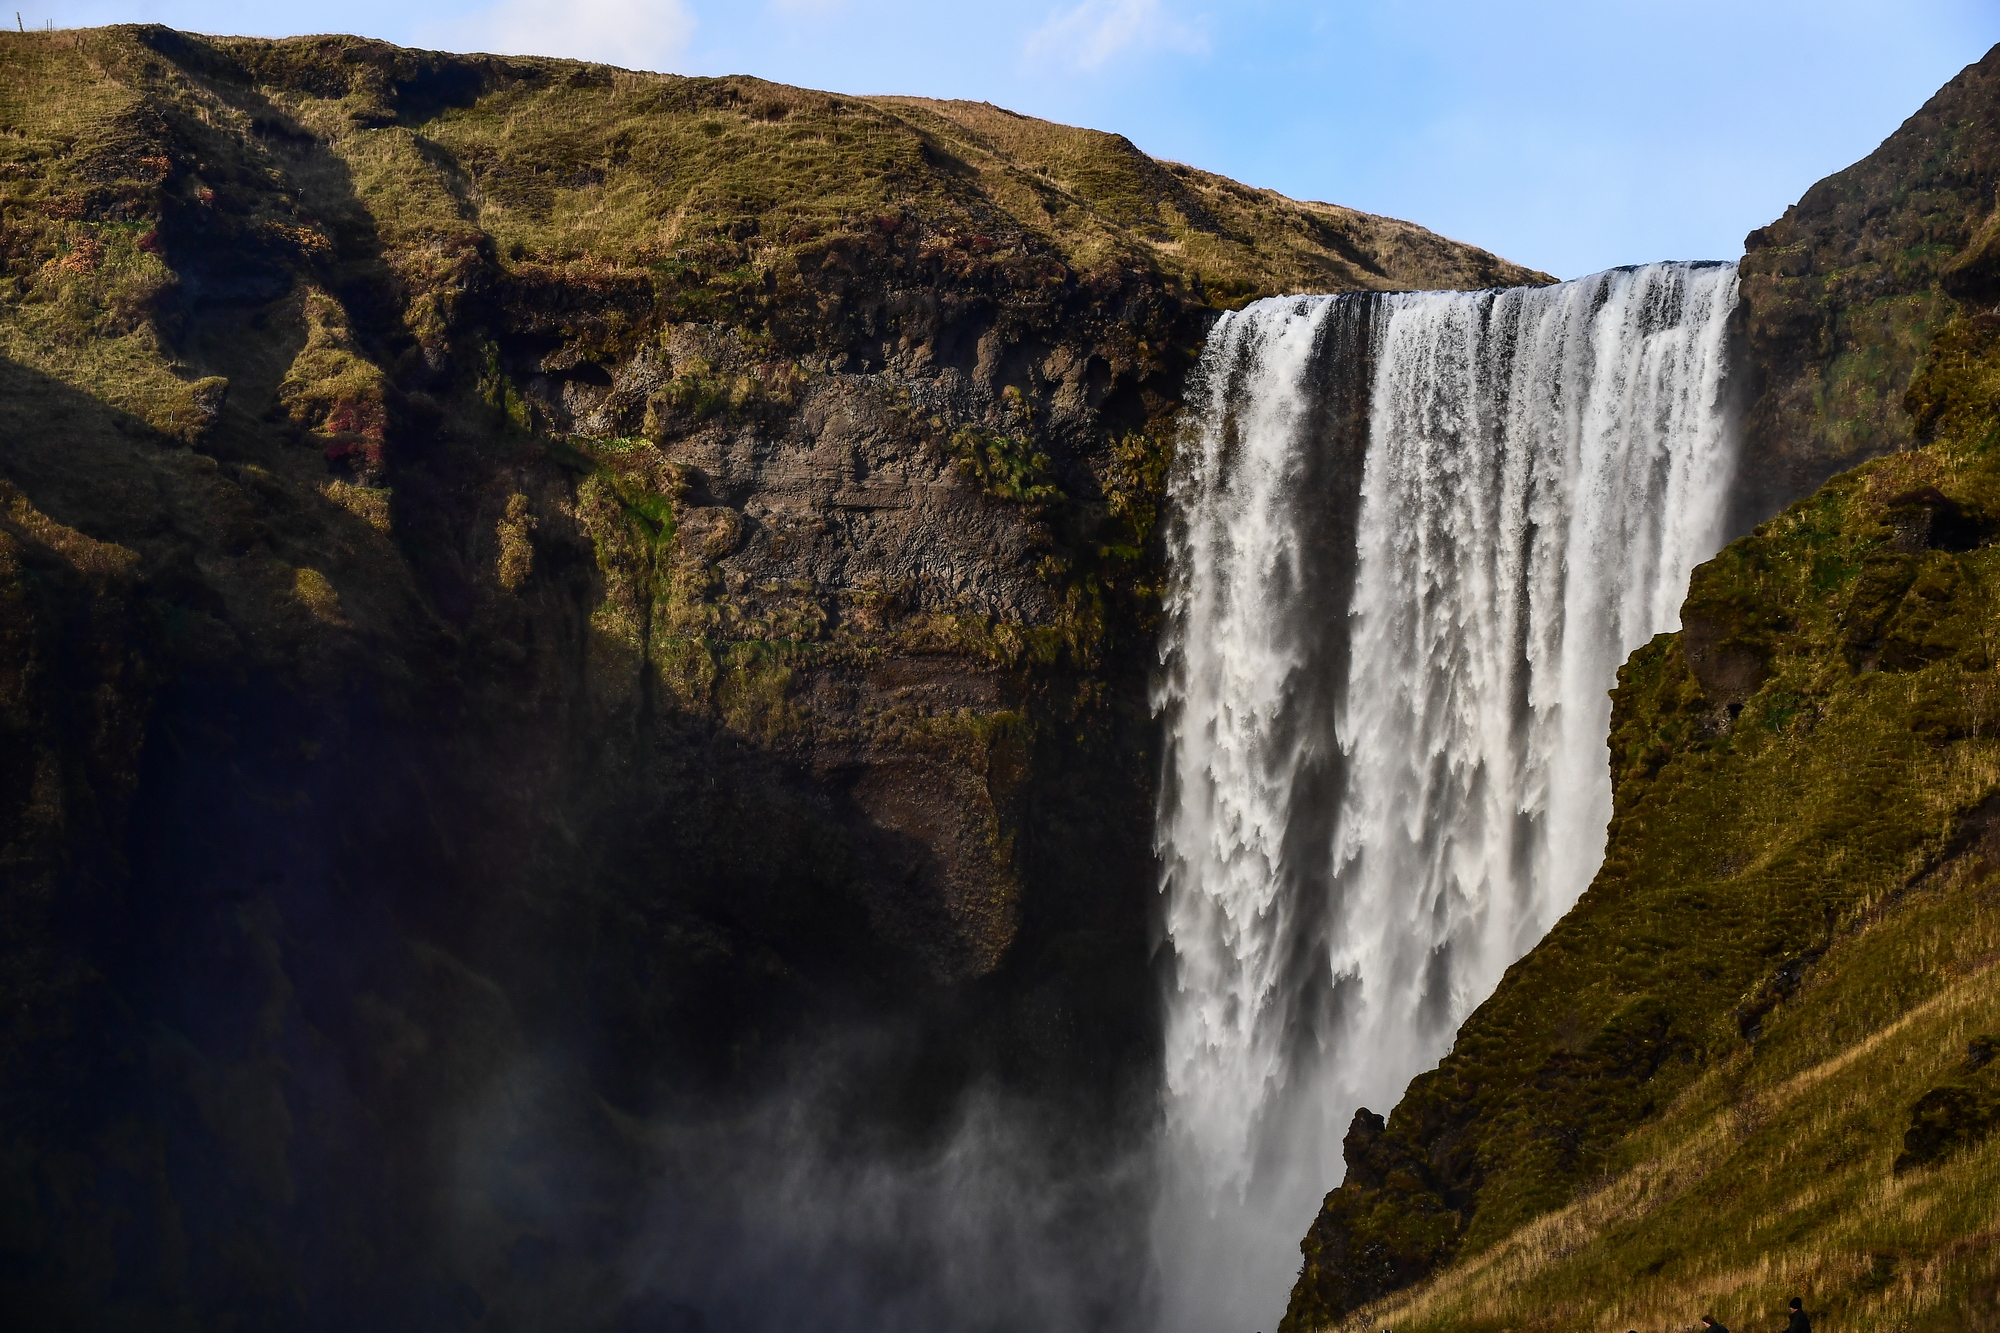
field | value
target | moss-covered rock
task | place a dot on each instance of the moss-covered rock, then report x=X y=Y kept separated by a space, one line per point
x=1955 y=1115
x=1842 y=296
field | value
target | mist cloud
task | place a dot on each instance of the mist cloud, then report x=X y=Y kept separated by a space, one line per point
x=803 y=1208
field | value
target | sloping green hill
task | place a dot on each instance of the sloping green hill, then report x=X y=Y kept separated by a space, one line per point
x=1078 y=185
x=644 y=196
x=1703 y=1090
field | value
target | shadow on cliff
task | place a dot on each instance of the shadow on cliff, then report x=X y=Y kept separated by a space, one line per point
x=372 y=966
x=385 y=952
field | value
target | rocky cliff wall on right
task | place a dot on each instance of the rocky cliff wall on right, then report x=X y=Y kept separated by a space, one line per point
x=1757 y=1059
x=1842 y=295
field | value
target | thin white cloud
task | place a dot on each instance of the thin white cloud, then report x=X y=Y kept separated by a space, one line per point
x=1091 y=33
x=637 y=34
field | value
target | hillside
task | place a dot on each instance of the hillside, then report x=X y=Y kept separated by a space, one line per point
x=1090 y=191
x=1755 y=1060
x=549 y=612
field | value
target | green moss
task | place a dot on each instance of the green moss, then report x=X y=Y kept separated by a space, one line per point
x=499 y=392
x=517 y=551
x=687 y=671
x=753 y=683
x=1860 y=397
x=700 y=391
x=1008 y=467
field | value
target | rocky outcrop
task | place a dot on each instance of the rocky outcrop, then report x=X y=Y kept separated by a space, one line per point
x=539 y=601
x=1840 y=297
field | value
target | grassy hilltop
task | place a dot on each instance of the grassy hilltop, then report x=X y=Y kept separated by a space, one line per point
x=1756 y=1060
x=643 y=199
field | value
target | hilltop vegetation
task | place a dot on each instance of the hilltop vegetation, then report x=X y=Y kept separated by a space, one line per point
x=1842 y=294
x=624 y=201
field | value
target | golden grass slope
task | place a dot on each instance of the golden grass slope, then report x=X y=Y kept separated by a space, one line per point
x=561 y=160
x=1084 y=187
x=1772 y=1175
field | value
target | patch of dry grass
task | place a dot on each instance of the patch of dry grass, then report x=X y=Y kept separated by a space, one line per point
x=1761 y=1184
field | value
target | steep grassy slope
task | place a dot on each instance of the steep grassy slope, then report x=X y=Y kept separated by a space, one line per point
x=624 y=200
x=1754 y=1061
x=549 y=611
x=1229 y=241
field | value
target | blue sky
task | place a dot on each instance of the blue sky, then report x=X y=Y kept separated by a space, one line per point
x=1567 y=136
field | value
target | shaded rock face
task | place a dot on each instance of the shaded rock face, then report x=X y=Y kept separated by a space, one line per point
x=1840 y=296
x=572 y=686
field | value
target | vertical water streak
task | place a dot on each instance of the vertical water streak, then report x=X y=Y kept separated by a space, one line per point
x=1392 y=622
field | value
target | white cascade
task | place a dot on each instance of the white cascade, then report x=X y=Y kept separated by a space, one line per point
x=1414 y=537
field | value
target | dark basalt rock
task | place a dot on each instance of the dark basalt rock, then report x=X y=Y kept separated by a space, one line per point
x=1955 y=1115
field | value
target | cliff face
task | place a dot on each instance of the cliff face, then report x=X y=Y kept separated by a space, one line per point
x=1841 y=296
x=1748 y=1064
x=538 y=600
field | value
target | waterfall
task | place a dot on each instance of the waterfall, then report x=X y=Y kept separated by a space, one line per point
x=1414 y=536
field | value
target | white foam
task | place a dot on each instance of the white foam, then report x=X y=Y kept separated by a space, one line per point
x=1543 y=469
